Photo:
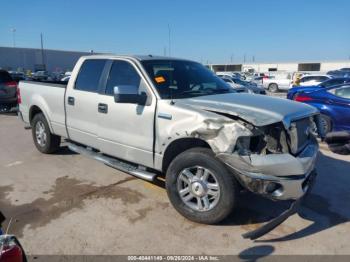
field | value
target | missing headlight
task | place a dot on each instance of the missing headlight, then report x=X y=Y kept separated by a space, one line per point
x=266 y=140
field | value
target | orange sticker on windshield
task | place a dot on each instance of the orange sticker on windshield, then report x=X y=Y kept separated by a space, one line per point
x=159 y=79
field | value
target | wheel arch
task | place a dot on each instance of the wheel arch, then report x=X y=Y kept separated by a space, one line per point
x=34 y=110
x=273 y=83
x=178 y=146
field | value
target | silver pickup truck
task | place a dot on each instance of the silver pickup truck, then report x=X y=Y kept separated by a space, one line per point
x=153 y=116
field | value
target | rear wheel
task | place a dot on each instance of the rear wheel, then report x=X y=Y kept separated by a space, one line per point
x=273 y=88
x=200 y=187
x=44 y=140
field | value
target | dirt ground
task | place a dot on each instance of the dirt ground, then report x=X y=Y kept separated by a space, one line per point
x=68 y=204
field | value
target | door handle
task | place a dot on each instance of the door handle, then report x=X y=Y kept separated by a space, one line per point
x=71 y=100
x=103 y=108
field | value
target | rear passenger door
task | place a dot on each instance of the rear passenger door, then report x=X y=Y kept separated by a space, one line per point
x=126 y=130
x=82 y=103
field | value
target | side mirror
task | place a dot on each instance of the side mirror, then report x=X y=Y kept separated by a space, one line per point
x=129 y=95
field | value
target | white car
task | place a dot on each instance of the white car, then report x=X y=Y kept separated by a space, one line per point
x=230 y=74
x=276 y=83
x=313 y=80
x=239 y=88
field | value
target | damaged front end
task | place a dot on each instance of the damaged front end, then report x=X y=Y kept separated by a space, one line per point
x=274 y=161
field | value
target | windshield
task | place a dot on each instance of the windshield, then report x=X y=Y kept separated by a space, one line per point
x=333 y=82
x=184 y=79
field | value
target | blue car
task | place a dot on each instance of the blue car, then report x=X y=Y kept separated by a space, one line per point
x=328 y=83
x=333 y=104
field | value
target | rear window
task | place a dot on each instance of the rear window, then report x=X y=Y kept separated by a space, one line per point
x=89 y=75
x=5 y=77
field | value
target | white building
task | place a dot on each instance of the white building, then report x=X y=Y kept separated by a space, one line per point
x=282 y=66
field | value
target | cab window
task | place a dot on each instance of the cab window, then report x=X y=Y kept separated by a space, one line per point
x=89 y=75
x=122 y=73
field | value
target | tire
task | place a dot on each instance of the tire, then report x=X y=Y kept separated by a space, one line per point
x=273 y=88
x=44 y=140
x=327 y=124
x=222 y=197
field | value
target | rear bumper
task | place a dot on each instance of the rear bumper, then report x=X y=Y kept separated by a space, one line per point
x=276 y=176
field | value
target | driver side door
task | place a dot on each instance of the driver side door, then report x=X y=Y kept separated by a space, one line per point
x=126 y=130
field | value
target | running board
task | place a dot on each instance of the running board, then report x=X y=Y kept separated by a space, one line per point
x=113 y=162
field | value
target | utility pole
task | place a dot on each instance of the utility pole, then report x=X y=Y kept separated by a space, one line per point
x=244 y=58
x=13 y=30
x=42 y=51
x=232 y=57
x=169 y=40
x=253 y=58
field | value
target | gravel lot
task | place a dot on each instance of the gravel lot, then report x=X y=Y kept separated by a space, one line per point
x=68 y=204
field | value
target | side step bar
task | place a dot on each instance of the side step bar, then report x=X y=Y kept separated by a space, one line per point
x=113 y=162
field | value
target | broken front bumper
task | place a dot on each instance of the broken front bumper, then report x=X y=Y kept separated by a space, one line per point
x=294 y=207
x=276 y=176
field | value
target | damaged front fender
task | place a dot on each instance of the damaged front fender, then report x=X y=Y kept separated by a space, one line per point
x=220 y=134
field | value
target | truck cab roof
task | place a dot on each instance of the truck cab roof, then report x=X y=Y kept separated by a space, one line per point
x=137 y=57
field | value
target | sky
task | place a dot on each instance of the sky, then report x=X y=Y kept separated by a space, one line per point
x=220 y=31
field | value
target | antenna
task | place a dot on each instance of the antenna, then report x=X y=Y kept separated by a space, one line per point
x=8 y=226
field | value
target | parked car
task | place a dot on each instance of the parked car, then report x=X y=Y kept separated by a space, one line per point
x=238 y=88
x=152 y=116
x=40 y=76
x=343 y=72
x=17 y=76
x=231 y=74
x=333 y=104
x=328 y=83
x=277 y=83
x=253 y=87
x=8 y=91
x=245 y=86
x=312 y=80
x=10 y=248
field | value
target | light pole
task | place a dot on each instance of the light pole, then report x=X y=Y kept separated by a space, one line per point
x=42 y=52
x=13 y=30
x=169 y=40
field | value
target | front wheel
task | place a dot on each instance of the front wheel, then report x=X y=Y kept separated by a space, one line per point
x=200 y=187
x=44 y=140
x=273 y=88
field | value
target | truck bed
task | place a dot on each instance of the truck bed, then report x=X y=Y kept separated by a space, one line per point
x=49 y=96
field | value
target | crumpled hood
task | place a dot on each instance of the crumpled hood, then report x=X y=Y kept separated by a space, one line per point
x=257 y=109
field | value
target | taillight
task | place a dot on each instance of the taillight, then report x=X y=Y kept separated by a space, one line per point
x=302 y=98
x=11 y=84
x=19 y=98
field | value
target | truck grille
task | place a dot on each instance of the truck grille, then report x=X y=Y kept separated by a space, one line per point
x=300 y=132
